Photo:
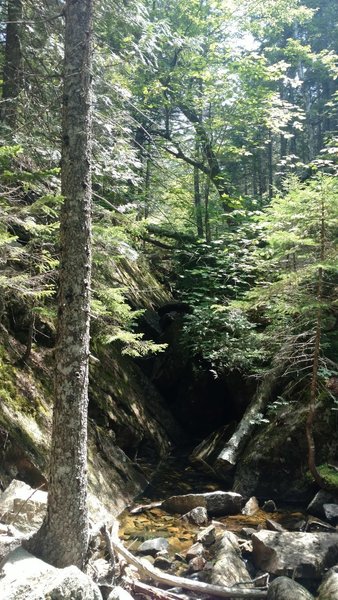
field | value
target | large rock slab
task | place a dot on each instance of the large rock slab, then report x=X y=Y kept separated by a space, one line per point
x=25 y=507
x=217 y=503
x=305 y=555
x=24 y=577
x=280 y=448
x=22 y=506
x=229 y=568
x=328 y=589
x=284 y=588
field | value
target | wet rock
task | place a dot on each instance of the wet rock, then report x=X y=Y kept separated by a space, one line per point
x=216 y=503
x=197 y=564
x=251 y=507
x=284 y=588
x=162 y=562
x=197 y=516
x=331 y=513
x=274 y=526
x=195 y=550
x=316 y=506
x=23 y=576
x=207 y=536
x=153 y=546
x=305 y=554
x=229 y=568
x=269 y=506
x=328 y=589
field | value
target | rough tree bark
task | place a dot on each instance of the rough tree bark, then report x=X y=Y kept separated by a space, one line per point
x=12 y=71
x=63 y=537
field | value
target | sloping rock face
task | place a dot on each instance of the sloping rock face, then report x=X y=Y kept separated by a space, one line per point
x=24 y=577
x=305 y=555
x=127 y=420
x=274 y=462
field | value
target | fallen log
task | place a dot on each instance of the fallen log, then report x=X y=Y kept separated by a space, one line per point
x=153 y=592
x=228 y=457
x=146 y=569
x=140 y=508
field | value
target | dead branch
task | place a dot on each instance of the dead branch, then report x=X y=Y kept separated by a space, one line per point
x=153 y=592
x=147 y=570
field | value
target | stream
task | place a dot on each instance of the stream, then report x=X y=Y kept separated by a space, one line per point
x=178 y=477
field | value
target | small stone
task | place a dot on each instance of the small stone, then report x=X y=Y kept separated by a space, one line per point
x=153 y=546
x=179 y=557
x=197 y=516
x=207 y=536
x=251 y=507
x=274 y=526
x=195 y=550
x=331 y=513
x=269 y=506
x=162 y=562
x=197 y=564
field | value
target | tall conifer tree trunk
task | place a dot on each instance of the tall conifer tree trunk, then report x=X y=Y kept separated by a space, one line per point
x=12 y=71
x=63 y=537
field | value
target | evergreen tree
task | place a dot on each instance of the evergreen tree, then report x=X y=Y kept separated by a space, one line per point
x=63 y=537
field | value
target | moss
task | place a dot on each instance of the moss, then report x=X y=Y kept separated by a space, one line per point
x=330 y=475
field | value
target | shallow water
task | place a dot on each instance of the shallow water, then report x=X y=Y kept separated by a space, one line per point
x=175 y=477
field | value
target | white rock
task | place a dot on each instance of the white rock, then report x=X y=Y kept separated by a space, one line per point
x=24 y=577
x=25 y=507
x=251 y=507
x=119 y=593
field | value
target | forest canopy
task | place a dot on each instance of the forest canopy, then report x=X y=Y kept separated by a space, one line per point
x=214 y=155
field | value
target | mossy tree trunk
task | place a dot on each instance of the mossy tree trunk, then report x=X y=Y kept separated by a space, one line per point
x=63 y=537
